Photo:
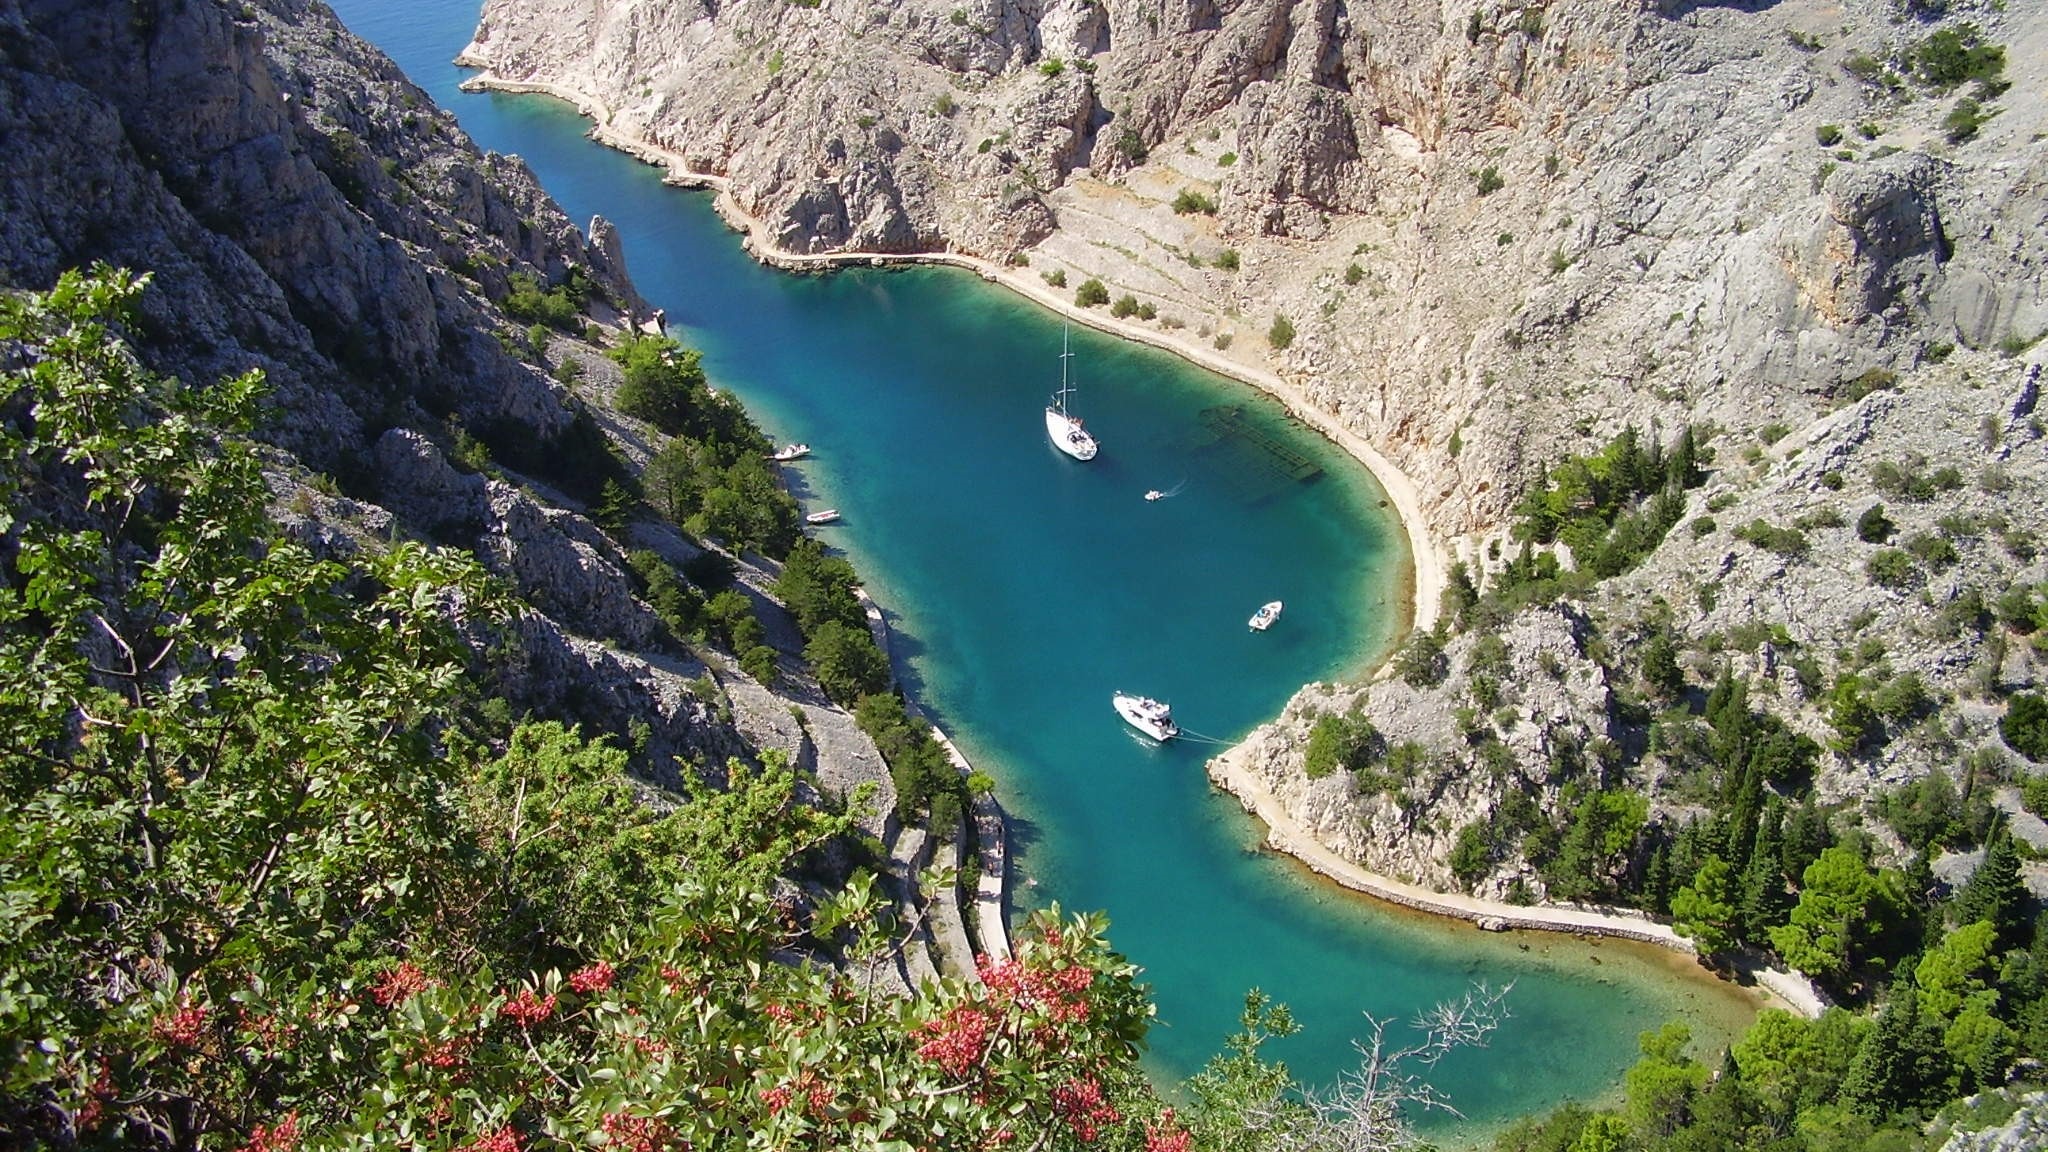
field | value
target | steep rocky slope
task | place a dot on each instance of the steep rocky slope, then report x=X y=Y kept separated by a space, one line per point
x=307 y=211
x=1498 y=232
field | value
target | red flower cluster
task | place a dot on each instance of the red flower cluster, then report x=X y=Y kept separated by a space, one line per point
x=779 y=1012
x=181 y=1029
x=957 y=1039
x=1165 y=1135
x=591 y=978
x=1063 y=993
x=503 y=1140
x=528 y=1008
x=777 y=1098
x=637 y=1133
x=397 y=985
x=1081 y=1104
x=97 y=1096
x=445 y=1054
x=282 y=1136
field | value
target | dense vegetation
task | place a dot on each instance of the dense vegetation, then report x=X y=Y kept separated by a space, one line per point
x=278 y=874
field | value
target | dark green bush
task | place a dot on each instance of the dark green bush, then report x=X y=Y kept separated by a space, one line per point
x=1091 y=293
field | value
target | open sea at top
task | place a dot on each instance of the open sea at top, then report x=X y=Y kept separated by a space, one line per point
x=1025 y=588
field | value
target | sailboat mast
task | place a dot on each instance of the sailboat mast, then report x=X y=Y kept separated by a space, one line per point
x=1066 y=353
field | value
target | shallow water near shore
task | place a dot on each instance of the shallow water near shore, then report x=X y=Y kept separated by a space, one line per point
x=1025 y=588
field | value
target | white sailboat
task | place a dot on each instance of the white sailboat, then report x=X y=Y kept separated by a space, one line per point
x=1066 y=431
x=1147 y=715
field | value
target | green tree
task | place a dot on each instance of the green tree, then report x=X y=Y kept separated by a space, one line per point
x=1873 y=526
x=1792 y=1063
x=1420 y=663
x=1604 y=1132
x=1281 y=334
x=1660 y=1086
x=1472 y=855
x=846 y=661
x=1995 y=893
x=1705 y=910
x=1901 y=1065
x=1661 y=672
x=2025 y=725
x=1091 y=293
x=1956 y=970
x=663 y=383
x=1843 y=906
x=1347 y=741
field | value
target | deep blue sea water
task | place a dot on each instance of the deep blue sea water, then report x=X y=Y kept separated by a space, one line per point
x=1026 y=588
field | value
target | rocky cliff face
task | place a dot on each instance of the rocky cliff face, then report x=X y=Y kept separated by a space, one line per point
x=307 y=211
x=1499 y=231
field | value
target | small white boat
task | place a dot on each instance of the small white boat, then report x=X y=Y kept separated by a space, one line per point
x=1066 y=431
x=1264 y=617
x=825 y=517
x=1155 y=494
x=1147 y=715
x=790 y=452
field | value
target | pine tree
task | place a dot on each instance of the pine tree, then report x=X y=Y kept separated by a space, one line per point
x=1807 y=835
x=1704 y=911
x=1763 y=901
x=1994 y=892
x=1900 y=1064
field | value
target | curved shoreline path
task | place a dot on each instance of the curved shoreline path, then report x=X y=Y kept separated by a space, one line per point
x=1287 y=836
x=1025 y=588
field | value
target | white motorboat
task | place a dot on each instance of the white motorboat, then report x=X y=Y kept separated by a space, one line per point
x=1147 y=715
x=825 y=517
x=1065 y=429
x=1155 y=494
x=1264 y=617
x=790 y=452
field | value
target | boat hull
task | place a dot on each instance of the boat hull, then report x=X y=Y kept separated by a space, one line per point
x=1264 y=617
x=1068 y=435
x=1148 y=716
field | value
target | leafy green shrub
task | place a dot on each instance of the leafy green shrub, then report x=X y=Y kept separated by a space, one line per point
x=1771 y=538
x=1091 y=293
x=1489 y=181
x=1420 y=663
x=555 y=307
x=1126 y=305
x=1281 y=334
x=2025 y=726
x=664 y=383
x=1903 y=480
x=1873 y=527
x=759 y=663
x=1963 y=121
x=1226 y=160
x=1191 y=201
x=1051 y=66
x=1952 y=56
x=1828 y=134
x=1934 y=551
x=1227 y=260
x=1349 y=742
x=1892 y=568
x=1057 y=277
x=1472 y=854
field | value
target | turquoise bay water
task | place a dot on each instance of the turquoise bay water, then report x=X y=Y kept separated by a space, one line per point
x=1027 y=587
